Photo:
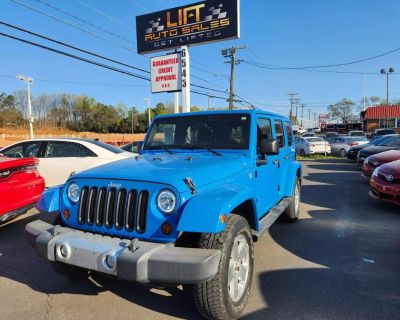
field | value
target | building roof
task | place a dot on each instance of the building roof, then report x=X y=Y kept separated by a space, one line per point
x=381 y=112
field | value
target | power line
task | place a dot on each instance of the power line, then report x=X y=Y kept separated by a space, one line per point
x=306 y=70
x=98 y=11
x=71 y=46
x=340 y=64
x=85 y=21
x=72 y=25
x=102 y=65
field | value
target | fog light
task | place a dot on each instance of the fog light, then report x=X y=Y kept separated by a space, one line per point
x=166 y=228
x=66 y=214
x=110 y=261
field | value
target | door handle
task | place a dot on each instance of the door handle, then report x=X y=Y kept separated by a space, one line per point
x=276 y=162
x=286 y=157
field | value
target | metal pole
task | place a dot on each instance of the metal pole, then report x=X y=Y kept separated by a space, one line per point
x=302 y=115
x=209 y=102
x=28 y=80
x=132 y=119
x=232 y=84
x=148 y=108
x=185 y=63
x=176 y=105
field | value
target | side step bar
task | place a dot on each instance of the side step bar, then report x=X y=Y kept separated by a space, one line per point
x=272 y=215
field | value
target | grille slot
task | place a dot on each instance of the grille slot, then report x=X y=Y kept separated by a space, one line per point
x=114 y=208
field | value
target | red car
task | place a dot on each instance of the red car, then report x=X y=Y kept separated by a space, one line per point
x=379 y=159
x=385 y=182
x=20 y=186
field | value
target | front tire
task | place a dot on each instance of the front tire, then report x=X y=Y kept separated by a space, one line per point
x=343 y=153
x=225 y=296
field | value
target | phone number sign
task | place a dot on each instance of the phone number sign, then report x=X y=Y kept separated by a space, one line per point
x=166 y=73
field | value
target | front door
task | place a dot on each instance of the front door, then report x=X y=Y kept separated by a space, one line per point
x=267 y=174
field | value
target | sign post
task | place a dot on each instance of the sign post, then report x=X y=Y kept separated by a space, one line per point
x=185 y=65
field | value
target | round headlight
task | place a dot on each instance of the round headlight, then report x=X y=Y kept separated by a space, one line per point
x=73 y=192
x=166 y=201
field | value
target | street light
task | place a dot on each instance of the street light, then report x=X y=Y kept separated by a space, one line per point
x=387 y=72
x=148 y=100
x=30 y=117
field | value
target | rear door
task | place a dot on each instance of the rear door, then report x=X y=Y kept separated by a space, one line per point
x=61 y=158
x=268 y=174
x=288 y=155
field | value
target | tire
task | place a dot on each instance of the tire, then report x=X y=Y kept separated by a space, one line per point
x=302 y=153
x=215 y=298
x=292 y=211
x=69 y=271
x=343 y=153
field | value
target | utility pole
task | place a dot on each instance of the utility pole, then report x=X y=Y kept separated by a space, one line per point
x=231 y=53
x=148 y=100
x=208 y=101
x=309 y=116
x=132 y=119
x=387 y=72
x=297 y=106
x=302 y=114
x=30 y=117
x=292 y=100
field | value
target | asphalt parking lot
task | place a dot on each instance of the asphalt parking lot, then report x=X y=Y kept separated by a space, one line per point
x=341 y=260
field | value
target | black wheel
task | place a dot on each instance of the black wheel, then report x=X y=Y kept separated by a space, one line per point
x=225 y=296
x=342 y=153
x=302 y=153
x=292 y=211
x=69 y=271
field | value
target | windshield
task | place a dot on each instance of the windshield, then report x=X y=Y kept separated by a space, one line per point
x=392 y=141
x=315 y=140
x=359 y=138
x=106 y=146
x=219 y=131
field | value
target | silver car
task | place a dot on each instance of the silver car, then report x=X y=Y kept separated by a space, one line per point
x=340 y=145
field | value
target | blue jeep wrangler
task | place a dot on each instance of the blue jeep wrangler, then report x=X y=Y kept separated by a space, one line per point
x=185 y=211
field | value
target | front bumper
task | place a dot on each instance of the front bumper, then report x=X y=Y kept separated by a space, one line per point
x=367 y=169
x=4 y=217
x=360 y=160
x=388 y=192
x=135 y=260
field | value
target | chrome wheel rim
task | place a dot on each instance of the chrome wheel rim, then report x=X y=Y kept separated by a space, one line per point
x=296 y=199
x=239 y=268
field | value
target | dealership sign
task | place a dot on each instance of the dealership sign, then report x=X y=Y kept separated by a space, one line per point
x=206 y=21
x=165 y=73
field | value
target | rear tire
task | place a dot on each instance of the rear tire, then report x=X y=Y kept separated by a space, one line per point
x=292 y=211
x=225 y=296
x=343 y=153
x=69 y=271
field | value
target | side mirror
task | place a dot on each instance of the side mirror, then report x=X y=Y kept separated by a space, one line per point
x=269 y=147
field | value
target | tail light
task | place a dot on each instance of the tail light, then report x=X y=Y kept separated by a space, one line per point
x=353 y=144
x=8 y=172
x=312 y=145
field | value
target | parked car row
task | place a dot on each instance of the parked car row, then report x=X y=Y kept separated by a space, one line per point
x=27 y=167
x=380 y=163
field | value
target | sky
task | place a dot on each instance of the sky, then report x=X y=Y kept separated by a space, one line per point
x=288 y=33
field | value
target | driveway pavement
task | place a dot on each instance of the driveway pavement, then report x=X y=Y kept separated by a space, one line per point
x=341 y=260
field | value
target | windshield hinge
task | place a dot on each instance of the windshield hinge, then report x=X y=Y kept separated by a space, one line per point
x=189 y=182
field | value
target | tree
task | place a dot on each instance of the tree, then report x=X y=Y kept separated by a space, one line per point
x=342 y=110
x=159 y=109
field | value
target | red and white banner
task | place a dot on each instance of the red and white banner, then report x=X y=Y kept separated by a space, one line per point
x=166 y=73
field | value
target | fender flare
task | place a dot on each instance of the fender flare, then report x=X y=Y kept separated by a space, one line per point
x=49 y=201
x=203 y=211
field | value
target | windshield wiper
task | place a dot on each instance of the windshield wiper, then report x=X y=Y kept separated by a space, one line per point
x=205 y=148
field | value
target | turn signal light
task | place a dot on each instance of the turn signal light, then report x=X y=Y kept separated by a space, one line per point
x=66 y=214
x=166 y=228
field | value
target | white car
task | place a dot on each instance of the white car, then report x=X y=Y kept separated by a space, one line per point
x=58 y=158
x=312 y=145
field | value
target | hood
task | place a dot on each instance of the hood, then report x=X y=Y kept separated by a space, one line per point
x=360 y=147
x=9 y=163
x=391 y=169
x=171 y=169
x=376 y=149
x=386 y=156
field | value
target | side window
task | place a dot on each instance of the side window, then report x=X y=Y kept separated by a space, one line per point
x=23 y=150
x=264 y=131
x=57 y=149
x=85 y=152
x=279 y=133
x=289 y=133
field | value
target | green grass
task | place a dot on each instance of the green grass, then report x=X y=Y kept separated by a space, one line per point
x=317 y=157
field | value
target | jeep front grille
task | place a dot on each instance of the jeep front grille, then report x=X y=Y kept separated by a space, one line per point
x=114 y=208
